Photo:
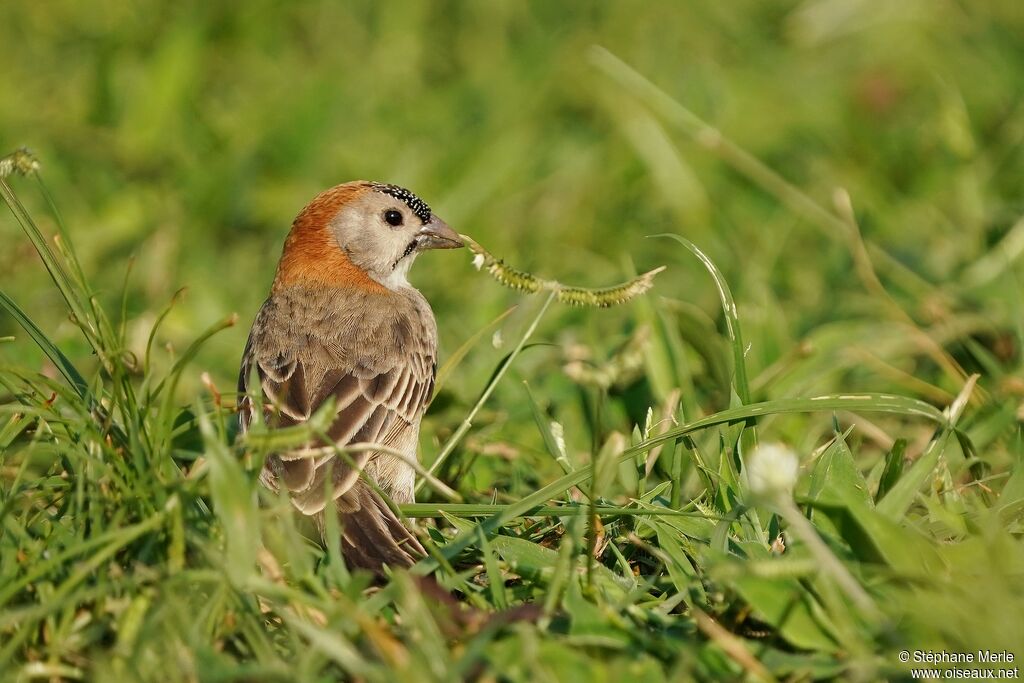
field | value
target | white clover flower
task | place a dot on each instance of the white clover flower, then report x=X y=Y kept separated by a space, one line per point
x=772 y=471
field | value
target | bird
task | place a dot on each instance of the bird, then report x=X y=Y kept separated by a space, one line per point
x=343 y=325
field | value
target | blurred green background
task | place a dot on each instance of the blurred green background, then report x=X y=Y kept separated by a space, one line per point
x=187 y=135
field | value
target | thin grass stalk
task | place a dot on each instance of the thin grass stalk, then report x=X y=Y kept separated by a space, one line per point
x=467 y=422
x=57 y=272
x=439 y=511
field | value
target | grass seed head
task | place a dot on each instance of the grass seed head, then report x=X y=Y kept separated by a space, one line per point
x=595 y=297
x=21 y=161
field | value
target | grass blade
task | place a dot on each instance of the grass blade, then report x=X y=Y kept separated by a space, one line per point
x=56 y=356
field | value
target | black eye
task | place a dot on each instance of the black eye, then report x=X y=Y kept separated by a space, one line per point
x=393 y=217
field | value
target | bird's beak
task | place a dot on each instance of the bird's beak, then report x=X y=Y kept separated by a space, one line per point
x=436 y=234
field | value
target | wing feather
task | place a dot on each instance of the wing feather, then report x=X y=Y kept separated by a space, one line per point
x=377 y=396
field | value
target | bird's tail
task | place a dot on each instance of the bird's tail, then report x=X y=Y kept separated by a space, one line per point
x=371 y=534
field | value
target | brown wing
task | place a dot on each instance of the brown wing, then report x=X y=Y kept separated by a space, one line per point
x=376 y=399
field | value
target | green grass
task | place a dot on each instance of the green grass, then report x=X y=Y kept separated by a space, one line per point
x=833 y=188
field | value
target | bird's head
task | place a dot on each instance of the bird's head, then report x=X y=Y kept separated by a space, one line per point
x=362 y=234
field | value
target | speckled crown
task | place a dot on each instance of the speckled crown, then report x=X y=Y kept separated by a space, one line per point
x=418 y=206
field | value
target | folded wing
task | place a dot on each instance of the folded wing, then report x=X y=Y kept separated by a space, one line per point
x=375 y=401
